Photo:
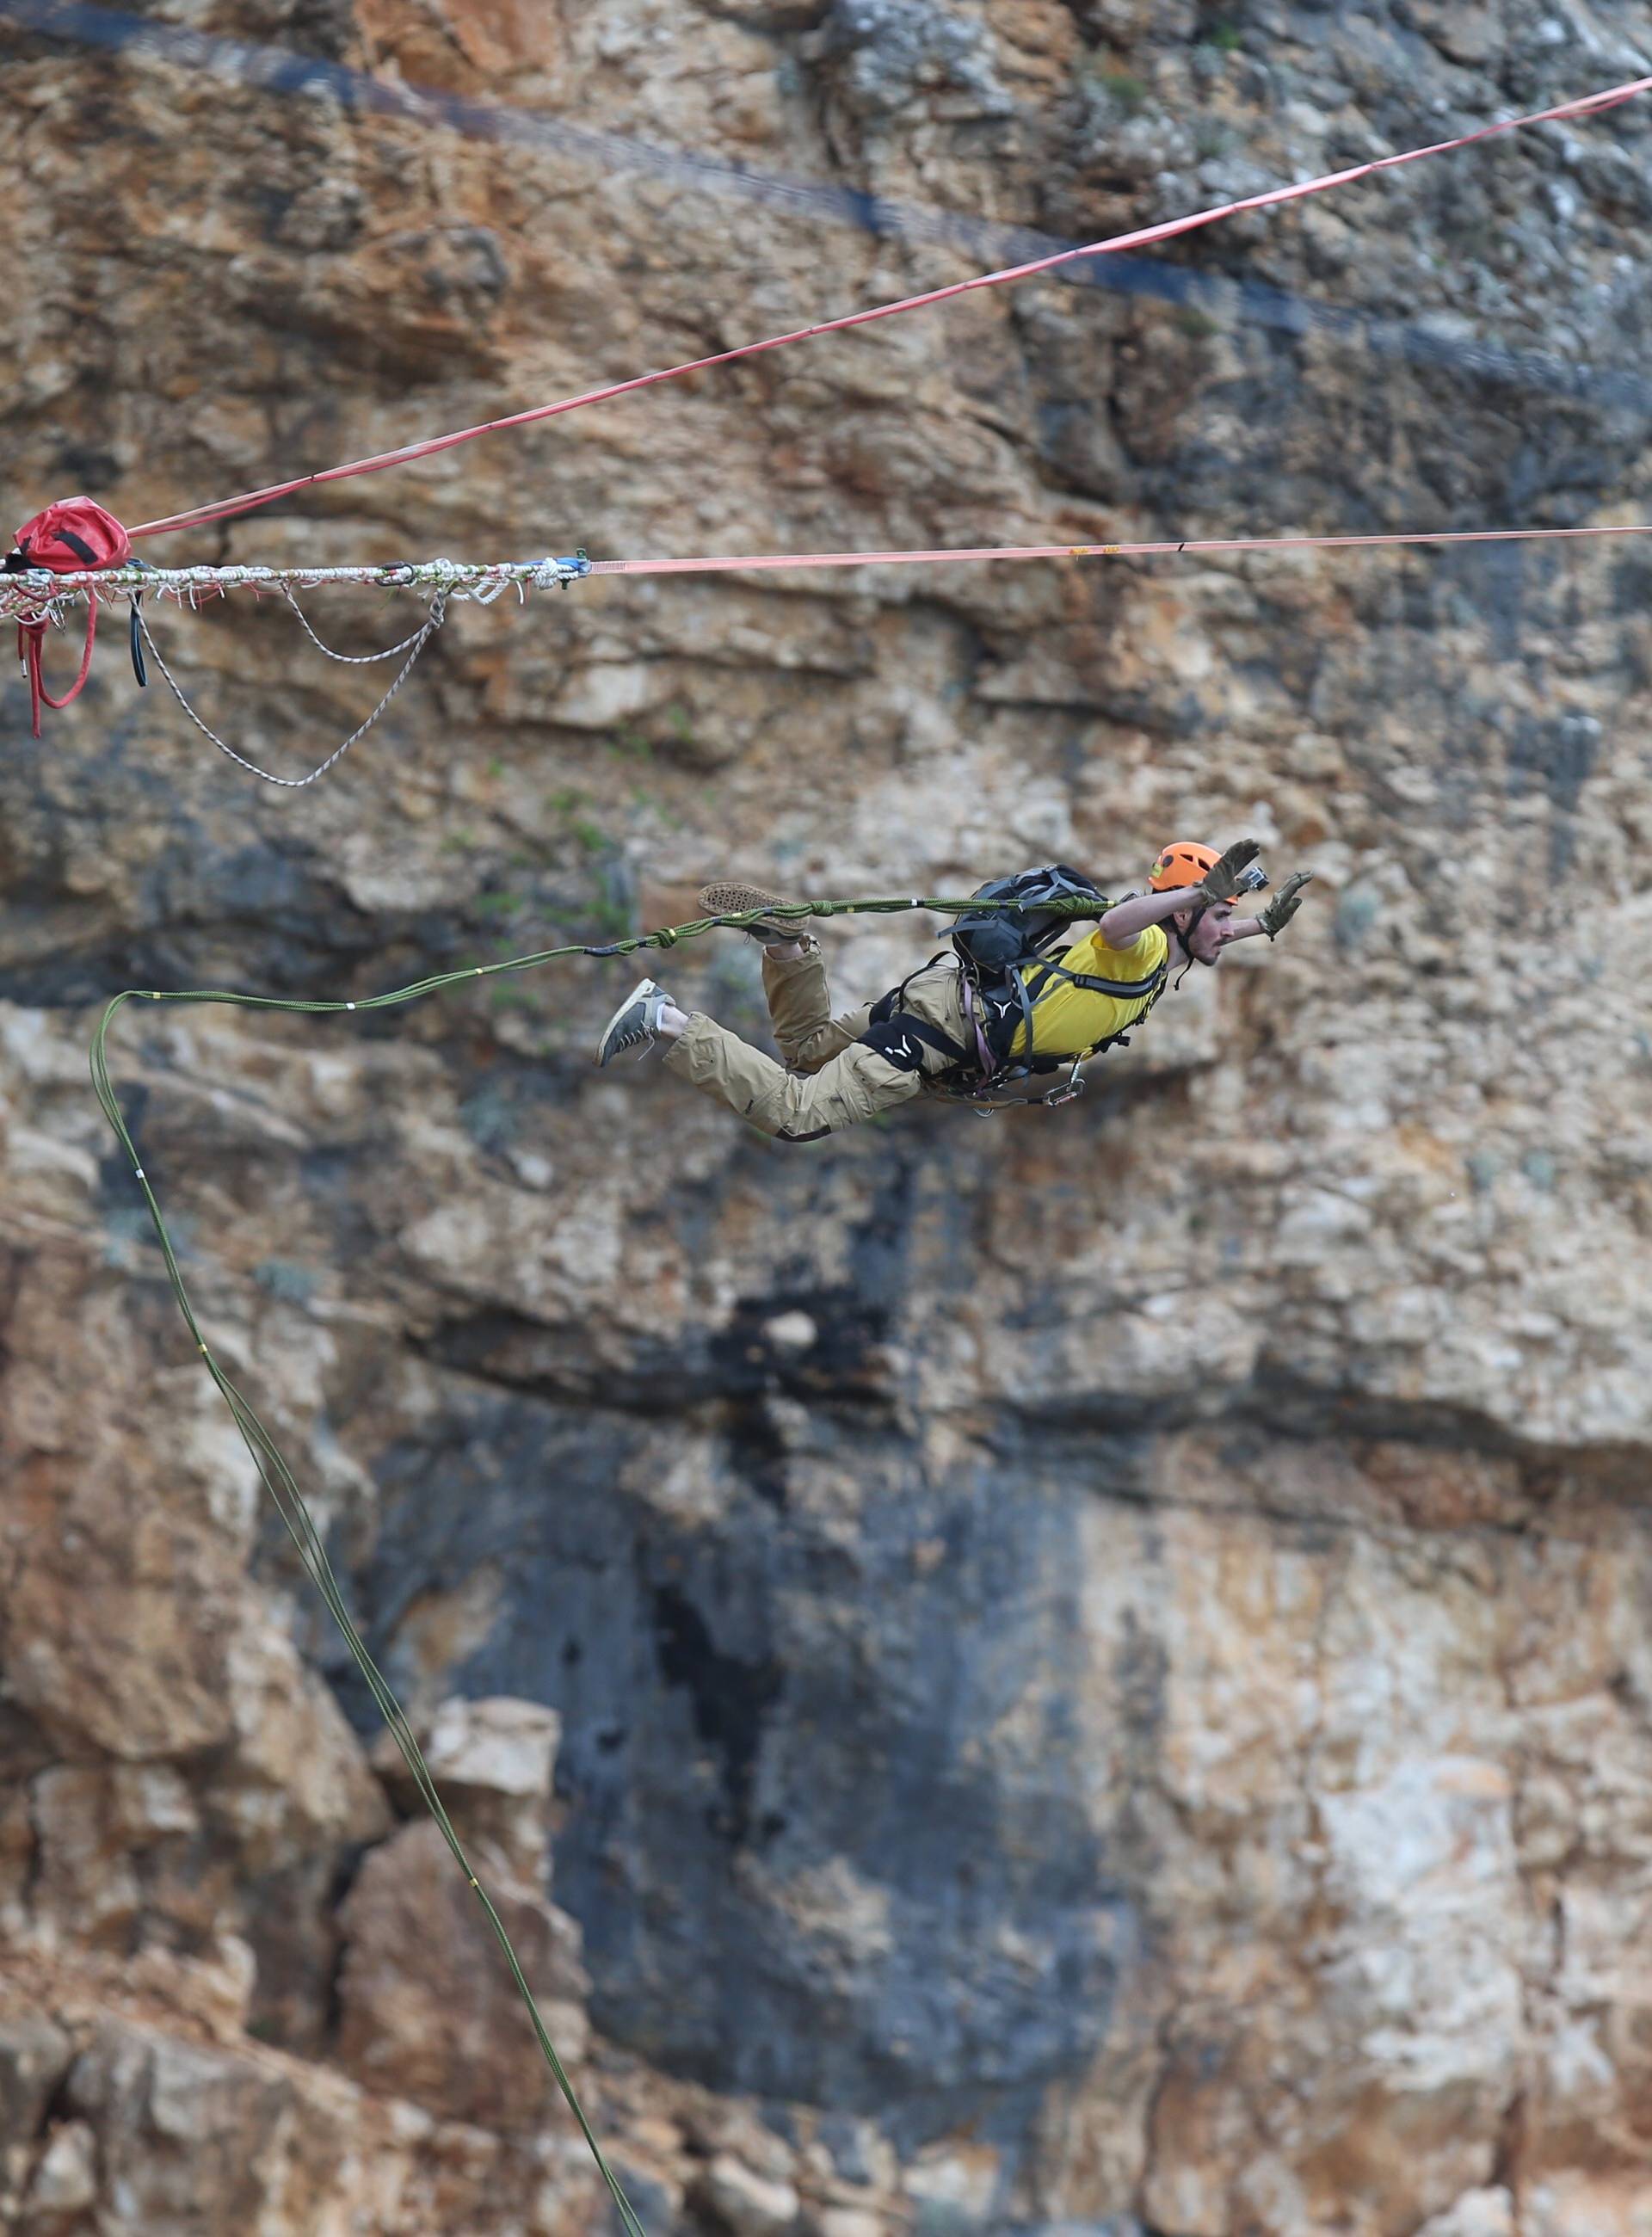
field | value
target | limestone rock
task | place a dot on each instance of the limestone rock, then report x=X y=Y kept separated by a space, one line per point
x=1087 y=1673
x=745 y=2203
x=33 y=2057
x=296 y=1774
x=428 y=2009
x=65 y=2178
x=493 y=1763
x=1476 y=2213
x=197 y=2141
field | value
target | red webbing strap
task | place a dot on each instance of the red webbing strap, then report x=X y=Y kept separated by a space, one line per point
x=1589 y=104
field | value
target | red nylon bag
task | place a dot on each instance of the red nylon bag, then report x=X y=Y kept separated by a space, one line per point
x=73 y=534
x=70 y=537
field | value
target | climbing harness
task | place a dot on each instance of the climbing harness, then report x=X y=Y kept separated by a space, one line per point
x=1002 y=941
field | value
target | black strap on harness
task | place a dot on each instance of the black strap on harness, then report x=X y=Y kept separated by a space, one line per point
x=1003 y=951
x=900 y=1038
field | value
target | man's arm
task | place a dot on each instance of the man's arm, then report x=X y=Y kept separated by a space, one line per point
x=1274 y=918
x=1121 y=925
x=1126 y=920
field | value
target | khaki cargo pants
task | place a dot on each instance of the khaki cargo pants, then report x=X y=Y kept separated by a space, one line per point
x=830 y=1079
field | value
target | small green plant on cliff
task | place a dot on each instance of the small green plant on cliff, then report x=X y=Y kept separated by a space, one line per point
x=631 y=744
x=1122 y=88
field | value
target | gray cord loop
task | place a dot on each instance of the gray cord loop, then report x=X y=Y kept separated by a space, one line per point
x=37 y=598
x=418 y=641
x=346 y=659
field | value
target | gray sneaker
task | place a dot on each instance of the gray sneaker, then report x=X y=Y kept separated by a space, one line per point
x=735 y=900
x=635 y=1024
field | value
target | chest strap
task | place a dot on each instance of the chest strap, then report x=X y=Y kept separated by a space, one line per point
x=1123 y=990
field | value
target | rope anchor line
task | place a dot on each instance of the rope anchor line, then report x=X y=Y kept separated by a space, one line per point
x=44 y=597
x=275 y=1472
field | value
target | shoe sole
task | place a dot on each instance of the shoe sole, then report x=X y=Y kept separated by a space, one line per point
x=737 y=900
x=643 y=988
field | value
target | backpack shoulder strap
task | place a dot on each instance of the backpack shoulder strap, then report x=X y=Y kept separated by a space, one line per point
x=1125 y=990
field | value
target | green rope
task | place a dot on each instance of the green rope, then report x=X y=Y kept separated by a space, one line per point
x=274 y=1472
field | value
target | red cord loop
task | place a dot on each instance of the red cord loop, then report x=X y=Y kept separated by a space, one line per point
x=32 y=641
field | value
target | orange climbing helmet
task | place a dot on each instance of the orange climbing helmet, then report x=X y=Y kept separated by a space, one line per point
x=1183 y=862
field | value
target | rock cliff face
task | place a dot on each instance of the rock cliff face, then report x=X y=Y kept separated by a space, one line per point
x=1083 y=1673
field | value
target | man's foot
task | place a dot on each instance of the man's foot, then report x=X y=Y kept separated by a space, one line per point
x=735 y=900
x=635 y=1024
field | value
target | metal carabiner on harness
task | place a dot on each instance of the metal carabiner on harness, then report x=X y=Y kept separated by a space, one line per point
x=1069 y=1091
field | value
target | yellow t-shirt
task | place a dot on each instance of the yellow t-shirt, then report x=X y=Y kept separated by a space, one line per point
x=1068 y=1019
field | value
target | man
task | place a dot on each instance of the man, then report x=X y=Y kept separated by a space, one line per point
x=936 y=1029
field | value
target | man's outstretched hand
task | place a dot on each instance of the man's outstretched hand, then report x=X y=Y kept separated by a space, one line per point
x=1285 y=904
x=1221 y=880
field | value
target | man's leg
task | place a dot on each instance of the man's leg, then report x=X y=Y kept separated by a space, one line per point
x=850 y=1084
x=794 y=977
x=860 y=1080
x=806 y=1034
x=849 y=1087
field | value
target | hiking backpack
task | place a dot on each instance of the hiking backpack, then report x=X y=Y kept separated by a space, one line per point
x=1004 y=953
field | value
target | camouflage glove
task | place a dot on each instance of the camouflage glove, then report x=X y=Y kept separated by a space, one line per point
x=1285 y=904
x=1221 y=880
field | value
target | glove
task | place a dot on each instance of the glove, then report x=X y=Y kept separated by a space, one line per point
x=1285 y=904
x=1221 y=880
